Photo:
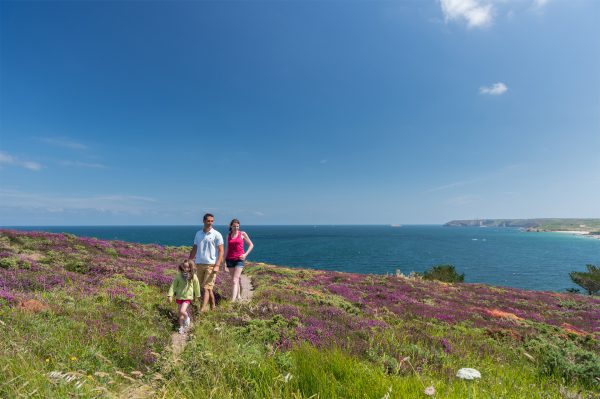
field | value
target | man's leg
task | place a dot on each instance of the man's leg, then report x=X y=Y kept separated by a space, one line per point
x=213 y=304
x=203 y=274
x=206 y=296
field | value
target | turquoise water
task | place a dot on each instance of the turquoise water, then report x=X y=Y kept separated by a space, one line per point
x=498 y=256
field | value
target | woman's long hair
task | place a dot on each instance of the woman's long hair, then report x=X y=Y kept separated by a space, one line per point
x=231 y=224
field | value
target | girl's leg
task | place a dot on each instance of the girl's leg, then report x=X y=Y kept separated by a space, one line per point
x=183 y=313
x=237 y=283
x=205 y=298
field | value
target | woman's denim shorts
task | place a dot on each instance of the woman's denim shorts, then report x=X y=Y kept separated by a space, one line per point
x=234 y=263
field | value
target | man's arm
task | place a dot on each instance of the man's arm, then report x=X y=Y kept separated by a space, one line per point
x=192 y=255
x=219 y=257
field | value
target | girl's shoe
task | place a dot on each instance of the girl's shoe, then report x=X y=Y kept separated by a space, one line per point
x=182 y=330
x=187 y=322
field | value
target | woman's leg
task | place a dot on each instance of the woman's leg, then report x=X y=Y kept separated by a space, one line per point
x=237 y=283
x=235 y=286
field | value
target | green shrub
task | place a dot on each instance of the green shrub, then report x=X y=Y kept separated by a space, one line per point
x=14 y=262
x=445 y=273
x=77 y=266
x=563 y=358
x=589 y=280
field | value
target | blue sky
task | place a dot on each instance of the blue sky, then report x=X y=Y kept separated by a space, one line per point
x=358 y=112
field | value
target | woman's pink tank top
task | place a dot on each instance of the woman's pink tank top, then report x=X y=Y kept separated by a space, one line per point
x=235 y=247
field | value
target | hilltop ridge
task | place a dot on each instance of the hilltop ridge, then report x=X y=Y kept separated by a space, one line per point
x=541 y=224
x=102 y=325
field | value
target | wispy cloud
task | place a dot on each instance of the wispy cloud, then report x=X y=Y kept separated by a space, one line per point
x=78 y=164
x=540 y=3
x=496 y=89
x=258 y=213
x=130 y=204
x=491 y=175
x=460 y=200
x=455 y=184
x=475 y=13
x=63 y=142
x=7 y=159
x=323 y=161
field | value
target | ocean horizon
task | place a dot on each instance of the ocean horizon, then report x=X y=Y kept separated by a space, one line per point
x=496 y=256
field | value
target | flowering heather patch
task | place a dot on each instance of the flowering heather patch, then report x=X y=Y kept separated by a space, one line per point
x=38 y=261
x=386 y=318
x=484 y=306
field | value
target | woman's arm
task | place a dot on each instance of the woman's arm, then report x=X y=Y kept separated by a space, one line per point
x=250 y=244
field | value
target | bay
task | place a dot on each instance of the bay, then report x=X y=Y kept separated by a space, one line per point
x=497 y=256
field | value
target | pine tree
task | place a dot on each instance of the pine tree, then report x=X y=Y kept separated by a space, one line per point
x=589 y=280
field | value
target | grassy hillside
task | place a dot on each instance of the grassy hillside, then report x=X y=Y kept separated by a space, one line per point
x=88 y=318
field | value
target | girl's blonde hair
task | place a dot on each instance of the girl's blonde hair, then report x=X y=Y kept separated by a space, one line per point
x=192 y=266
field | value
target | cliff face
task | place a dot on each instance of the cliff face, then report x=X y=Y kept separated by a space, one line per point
x=549 y=224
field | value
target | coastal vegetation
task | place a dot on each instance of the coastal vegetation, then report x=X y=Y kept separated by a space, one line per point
x=589 y=280
x=445 y=273
x=82 y=317
x=544 y=224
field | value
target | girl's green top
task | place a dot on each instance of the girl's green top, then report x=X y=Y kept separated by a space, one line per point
x=183 y=289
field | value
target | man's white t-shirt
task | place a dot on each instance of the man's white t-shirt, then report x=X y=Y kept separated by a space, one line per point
x=207 y=244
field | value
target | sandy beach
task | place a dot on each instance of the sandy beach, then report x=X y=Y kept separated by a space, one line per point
x=578 y=233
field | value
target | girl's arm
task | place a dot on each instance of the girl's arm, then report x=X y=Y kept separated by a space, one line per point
x=196 y=284
x=172 y=289
x=249 y=242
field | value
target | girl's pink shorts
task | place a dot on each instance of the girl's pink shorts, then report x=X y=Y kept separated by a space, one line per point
x=180 y=301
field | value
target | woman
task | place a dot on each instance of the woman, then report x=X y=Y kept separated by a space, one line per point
x=236 y=256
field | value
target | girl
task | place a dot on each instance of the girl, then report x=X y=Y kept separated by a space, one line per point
x=185 y=287
x=236 y=256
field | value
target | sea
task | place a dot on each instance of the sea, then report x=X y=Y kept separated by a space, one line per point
x=496 y=256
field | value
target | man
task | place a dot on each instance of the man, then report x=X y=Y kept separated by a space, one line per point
x=207 y=253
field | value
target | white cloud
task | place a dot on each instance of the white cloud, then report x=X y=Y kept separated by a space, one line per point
x=481 y=13
x=63 y=142
x=494 y=90
x=473 y=12
x=8 y=159
x=78 y=164
x=540 y=3
x=323 y=161
x=258 y=213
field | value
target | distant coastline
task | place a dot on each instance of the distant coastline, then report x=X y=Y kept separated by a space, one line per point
x=589 y=227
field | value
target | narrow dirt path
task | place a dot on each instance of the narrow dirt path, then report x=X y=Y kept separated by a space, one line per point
x=246 y=289
x=178 y=341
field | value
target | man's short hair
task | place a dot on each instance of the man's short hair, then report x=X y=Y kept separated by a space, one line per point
x=207 y=215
